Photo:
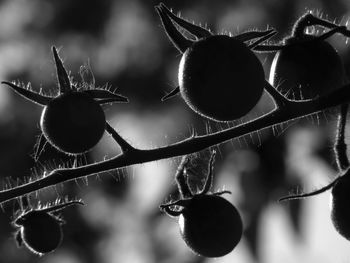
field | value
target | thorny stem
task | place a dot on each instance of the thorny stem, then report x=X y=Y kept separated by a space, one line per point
x=124 y=145
x=277 y=97
x=289 y=111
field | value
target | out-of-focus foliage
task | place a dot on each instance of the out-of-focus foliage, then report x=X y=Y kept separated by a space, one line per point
x=126 y=48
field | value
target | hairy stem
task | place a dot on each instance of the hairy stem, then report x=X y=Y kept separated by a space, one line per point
x=289 y=111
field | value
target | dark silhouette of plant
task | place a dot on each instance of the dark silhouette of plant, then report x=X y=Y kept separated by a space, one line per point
x=285 y=110
x=340 y=185
x=307 y=66
x=74 y=121
x=210 y=225
x=39 y=229
x=221 y=78
x=208 y=66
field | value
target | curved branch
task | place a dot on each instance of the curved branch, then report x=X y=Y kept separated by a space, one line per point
x=289 y=111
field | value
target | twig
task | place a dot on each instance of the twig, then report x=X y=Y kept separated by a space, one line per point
x=124 y=145
x=285 y=112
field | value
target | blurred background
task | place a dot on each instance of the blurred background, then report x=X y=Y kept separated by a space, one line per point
x=127 y=49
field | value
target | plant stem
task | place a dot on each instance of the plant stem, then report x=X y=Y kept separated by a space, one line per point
x=289 y=111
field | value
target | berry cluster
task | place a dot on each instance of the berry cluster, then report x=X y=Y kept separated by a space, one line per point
x=221 y=78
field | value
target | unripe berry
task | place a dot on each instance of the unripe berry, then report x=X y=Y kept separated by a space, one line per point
x=306 y=69
x=221 y=78
x=73 y=122
x=41 y=232
x=210 y=225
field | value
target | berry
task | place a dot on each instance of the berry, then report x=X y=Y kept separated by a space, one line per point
x=307 y=66
x=307 y=69
x=39 y=230
x=219 y=76
x=209 y=224
x=215 y=78
x=73 y=122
